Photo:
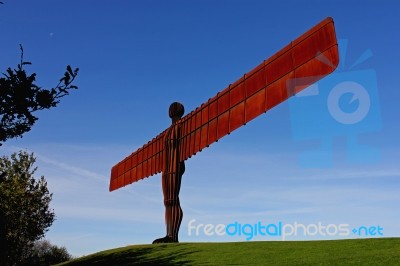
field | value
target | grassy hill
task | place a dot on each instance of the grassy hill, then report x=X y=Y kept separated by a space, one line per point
x=379 y=251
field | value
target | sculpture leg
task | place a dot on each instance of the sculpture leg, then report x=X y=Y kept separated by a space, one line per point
x=173 y=210
x=175 y=216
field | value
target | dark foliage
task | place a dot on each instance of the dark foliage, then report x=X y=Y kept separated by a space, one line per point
x=44 y=253
x=20 y=98
x=25 y=214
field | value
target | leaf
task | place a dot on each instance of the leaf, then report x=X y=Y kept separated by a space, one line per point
x=69 y=69
x=26 y=63
x=67 y=78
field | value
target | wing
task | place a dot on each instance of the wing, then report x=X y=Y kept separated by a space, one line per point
x=298 y=65
x=144 y=162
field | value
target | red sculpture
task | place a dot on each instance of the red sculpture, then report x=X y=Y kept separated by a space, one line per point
x=298 y=65
x=173 y=169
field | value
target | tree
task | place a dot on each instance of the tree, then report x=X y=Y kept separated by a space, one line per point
x=25 y=214
x=45 y=253
x=20 y=97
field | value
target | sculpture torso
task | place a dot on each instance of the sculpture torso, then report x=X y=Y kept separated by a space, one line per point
x=172 y=164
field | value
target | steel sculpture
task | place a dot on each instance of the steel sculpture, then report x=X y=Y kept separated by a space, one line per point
x=295 y=67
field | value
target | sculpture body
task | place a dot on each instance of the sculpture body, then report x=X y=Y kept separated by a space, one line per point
x=172 y=176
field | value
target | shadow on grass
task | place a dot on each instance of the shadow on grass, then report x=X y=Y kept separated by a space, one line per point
x=163 y=254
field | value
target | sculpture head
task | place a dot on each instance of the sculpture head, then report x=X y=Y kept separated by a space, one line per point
x=176 y=111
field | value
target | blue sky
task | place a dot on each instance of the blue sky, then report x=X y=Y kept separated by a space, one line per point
x=136 y=57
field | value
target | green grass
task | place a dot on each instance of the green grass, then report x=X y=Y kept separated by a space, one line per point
x=378 y=251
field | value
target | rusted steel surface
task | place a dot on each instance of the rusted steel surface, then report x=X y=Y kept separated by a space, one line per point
x=301 y=63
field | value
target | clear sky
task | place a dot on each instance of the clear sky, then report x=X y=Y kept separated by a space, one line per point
x=136 y=57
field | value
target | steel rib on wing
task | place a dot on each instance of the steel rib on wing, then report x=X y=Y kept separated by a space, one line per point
x=298 y=65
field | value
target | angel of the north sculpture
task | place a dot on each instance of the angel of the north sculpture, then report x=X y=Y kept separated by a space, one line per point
x=298 y=65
